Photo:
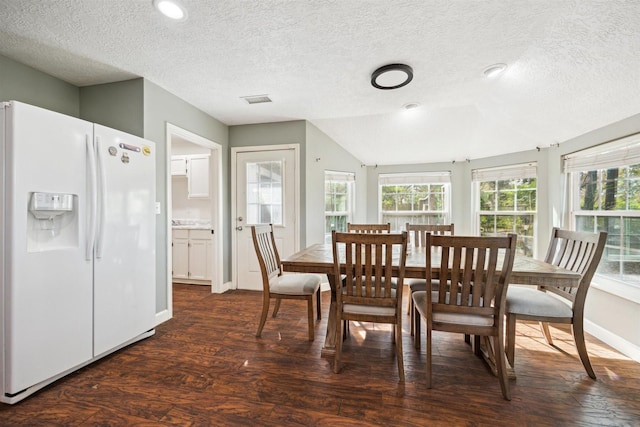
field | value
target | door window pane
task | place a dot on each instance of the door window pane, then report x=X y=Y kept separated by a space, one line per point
x=264 y=192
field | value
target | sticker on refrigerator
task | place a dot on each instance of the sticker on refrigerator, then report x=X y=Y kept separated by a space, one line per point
x=146 y=150
x=113 y=150
x=125 y=158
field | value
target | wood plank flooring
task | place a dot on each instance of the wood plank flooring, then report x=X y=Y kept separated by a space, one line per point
x=205 y=367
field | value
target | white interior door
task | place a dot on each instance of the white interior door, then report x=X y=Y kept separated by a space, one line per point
x=265 y=190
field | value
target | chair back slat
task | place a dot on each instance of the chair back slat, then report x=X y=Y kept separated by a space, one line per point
x=417 y=232
x=479 y=270
x=267 y=252
x=369 y=228
x=579 y=252
x=367 y=266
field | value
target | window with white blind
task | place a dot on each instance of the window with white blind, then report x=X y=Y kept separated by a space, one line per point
x=339 y=194
x=506 y=202
x=418 y=198
x=604 y=195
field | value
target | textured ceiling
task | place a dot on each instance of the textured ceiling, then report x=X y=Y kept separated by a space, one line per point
x=574 y=66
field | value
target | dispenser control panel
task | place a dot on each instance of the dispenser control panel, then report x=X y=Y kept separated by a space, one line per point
x=51 y=202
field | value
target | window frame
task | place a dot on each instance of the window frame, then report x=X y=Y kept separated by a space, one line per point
x=415 y=178
x=505 y=173
x=349 y=178
x=620 y=153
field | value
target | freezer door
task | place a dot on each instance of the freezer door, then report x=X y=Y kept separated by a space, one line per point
x=124 y=270
x=47 y=279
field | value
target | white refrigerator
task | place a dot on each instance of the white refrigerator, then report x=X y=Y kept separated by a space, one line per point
x=77 y=252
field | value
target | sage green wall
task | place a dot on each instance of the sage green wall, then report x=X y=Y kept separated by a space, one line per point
x=19 y=82
x=325 y=154
x=162 y=107
x=118 y=105
x=292 y=132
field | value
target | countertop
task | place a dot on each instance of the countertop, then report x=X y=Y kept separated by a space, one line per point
x=190 y=224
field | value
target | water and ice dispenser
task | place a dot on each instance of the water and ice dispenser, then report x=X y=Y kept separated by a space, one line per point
x=52 y=221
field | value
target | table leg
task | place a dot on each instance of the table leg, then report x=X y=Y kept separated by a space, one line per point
x=485 y=348
x=329 y=349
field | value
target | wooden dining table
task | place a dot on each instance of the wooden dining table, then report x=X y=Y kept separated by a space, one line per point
x=318 y=258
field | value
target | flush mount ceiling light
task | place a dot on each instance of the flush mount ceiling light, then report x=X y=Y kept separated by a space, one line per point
x=494 y=70
x=392 y=76
x=256 y=99
x=171 y=9
x=411 y=106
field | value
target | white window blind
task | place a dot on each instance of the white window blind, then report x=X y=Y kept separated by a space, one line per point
x=622 y=152
x=526 y=170
x=414 y=178
x=339 y=176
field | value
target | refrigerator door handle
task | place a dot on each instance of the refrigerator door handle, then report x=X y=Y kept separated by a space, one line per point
x=102 y=205
x=93 y=199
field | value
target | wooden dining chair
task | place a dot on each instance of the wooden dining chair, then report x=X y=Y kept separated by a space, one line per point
x=369 y=228
x=280 y=286
x=417 y=239
x=576 y=251
x=362 y=264
x=473 y=275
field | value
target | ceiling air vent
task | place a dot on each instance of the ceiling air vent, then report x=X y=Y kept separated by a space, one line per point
x=256 y=99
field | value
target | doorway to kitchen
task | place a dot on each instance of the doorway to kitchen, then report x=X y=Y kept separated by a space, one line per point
x=194 y=177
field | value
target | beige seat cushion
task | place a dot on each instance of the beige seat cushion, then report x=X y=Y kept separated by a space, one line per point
x=532 y=302
x=295 y=284
x=420 y=301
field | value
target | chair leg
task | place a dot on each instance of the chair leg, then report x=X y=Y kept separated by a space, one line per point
x=499 y=356
x=544 y=327
x=417 y=321
x=411 y=326
x=428 y=351
x=263 y=317
x=399 y=353
x=276 y=308
x=578 y=336
x=318 y=304
x=511 y=339
x=310 y=317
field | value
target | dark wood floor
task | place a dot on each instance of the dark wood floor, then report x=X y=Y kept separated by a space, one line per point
x=205 y=367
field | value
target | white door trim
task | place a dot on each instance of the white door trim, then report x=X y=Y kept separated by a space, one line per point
x=234 y=158
x=216 y=211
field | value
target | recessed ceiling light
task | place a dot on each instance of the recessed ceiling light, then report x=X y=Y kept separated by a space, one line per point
x=392 y=76
x=171 y=8
x=494 y=70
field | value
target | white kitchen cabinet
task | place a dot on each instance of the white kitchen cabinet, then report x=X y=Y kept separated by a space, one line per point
x=192 y=253
x=180 y=251
x=196 y=168
x=178 y=166
x=198 y=177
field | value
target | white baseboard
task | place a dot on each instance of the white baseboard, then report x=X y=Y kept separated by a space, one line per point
x=623 y=346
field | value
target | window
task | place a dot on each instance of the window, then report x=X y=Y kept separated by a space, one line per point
x=264 y=192
x=506 y=202
x=604 y=185
x=338 y=201
x=418 y=198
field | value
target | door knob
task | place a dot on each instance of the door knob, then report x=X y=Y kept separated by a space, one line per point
x=240 y=218
x=239 y=228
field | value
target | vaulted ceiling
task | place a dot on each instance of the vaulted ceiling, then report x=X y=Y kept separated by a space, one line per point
x=573 y=66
